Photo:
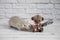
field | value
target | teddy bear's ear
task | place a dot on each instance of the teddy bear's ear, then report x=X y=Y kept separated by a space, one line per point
x=32 y=18
x=42 y=18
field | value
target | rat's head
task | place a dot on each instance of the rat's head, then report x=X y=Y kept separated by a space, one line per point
x=26 y=26
x=37 y=18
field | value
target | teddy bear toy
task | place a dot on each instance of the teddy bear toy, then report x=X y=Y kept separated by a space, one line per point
x=37 y=26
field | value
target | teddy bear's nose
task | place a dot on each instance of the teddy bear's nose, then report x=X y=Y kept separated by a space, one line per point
x=37 y=21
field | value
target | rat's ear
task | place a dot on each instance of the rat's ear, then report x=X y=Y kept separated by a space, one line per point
x=42 y=18
x=32 y=18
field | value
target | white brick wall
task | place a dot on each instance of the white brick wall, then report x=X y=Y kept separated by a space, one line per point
x=49 y=9
x=33 y=1
x=57 y=6
x=55 y=1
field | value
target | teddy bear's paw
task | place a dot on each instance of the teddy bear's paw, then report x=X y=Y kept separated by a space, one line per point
x=41 y=30
x=50 y=21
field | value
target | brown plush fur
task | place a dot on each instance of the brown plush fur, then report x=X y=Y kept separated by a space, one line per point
x=37 y=25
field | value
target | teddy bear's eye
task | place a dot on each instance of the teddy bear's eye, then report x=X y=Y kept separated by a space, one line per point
x=42 y=18
x=24 y=25
x=39 y=20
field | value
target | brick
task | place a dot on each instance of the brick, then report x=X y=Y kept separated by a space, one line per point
x=18 y=11
x=24 y=6
x=37 y=1
x=45 y=6
x=55 y=1
x=8 y=11
x=3 y=6
x=24 y=16
x=21 y=1
x=14 y=12
x=2 y=13
x=33 y=11
x=47 y=16
x=33 y=1
x=56 y=11
x=46 y=11
x=17 y=6
x=8 y=1
x=57 y=16
x=57 y=6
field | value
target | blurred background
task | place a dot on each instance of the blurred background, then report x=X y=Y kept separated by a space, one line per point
x=49 y=9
